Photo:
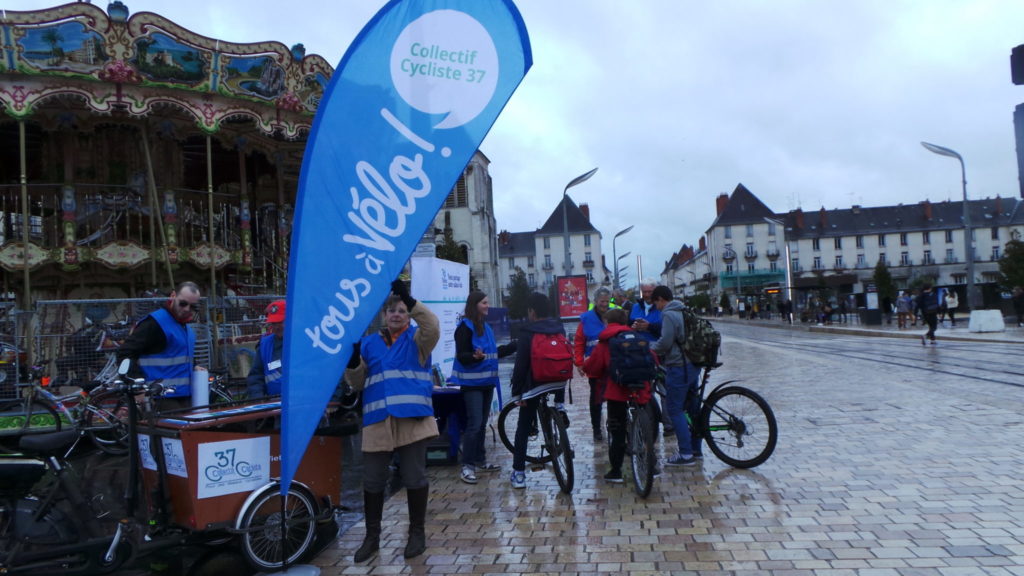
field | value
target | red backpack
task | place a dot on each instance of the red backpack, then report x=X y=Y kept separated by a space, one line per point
x=550 y=358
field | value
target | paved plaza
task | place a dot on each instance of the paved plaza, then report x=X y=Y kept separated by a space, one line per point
x=880 y=470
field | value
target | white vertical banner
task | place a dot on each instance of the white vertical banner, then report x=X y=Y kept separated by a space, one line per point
x=442 y=285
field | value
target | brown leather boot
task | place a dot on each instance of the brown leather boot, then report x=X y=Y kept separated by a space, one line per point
x=417 y=519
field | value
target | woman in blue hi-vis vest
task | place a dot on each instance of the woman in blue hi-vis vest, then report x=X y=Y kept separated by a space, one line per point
x=475 y=371
x=392 y=368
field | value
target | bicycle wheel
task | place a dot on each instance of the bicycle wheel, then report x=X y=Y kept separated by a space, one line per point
x=508 y=420
x=739 y=426
x=18 y=418
x=556 y=438
x=105 y=422
x=640 y=432
x=261 y=540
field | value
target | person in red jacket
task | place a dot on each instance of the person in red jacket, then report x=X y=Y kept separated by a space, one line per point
x=596 y=366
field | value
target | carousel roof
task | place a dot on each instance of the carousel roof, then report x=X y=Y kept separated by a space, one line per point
x=138 y=65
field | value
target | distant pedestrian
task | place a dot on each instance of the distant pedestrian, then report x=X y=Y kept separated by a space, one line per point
x=928 y=305
x=1018 y=304
x=904 y=309
x=952 y=303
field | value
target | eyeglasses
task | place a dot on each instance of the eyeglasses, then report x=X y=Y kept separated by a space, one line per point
x=187 y=304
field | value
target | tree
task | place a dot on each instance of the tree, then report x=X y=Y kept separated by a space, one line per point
x=518 y=295
x=883 y=281
x=449 y=249
x=1012 y=263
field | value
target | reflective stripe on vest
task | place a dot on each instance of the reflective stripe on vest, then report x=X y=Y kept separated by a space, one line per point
x=485 y=372
x=174 y=364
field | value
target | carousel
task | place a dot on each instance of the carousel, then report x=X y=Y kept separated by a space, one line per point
x=138 y=154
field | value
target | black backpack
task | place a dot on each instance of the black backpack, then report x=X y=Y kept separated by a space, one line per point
x=632 y=364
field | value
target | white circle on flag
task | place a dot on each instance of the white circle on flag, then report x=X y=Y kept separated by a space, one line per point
x=445 y=62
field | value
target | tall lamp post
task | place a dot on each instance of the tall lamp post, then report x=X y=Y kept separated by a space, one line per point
x=972 y=297
x=619 y=269
x=565 y=216
x=614 y=258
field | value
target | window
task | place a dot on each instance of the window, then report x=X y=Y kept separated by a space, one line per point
x=586 y=241
x=815 y=244
x=728 y=268
x=512 y=263
x=750 y=230
x=926 y=258
x=531 y=280
x=771 y=228
x=903 y=238
x=529 y=261
x=547 y=243
x=904 y=258
x=751 y=252
x=995 y=253
x=750 y=267
x=773 y=266
x=838 y=242
x=860 y=241
x=590 y=277
x=795 y=264
x=549 y=280
x=926 y=237
x=881 y=239
x=587 y=258
x=459 y=196
x=950 y=258
x=883 y=259
x=817 y=263
x=728 y=231
x=861 y=261
x=547 y=262
x=949 y=236
x=839 y=261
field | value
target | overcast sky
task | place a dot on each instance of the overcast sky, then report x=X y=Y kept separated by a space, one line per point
x=808 y=103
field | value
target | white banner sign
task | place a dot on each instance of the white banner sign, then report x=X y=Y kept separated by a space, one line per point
x=233 y=466
x=443 y=286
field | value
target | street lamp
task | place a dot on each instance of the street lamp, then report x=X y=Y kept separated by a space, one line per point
x=614 y=238
x=565 y=216
x=789 y=260
x=972 y=300
x=620 y=269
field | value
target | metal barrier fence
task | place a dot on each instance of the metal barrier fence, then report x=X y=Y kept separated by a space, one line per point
x=73 y=340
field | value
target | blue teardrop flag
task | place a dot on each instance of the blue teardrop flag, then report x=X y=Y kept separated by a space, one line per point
x=406 y=109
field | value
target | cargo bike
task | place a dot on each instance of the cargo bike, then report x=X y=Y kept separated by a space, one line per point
x=196 y=477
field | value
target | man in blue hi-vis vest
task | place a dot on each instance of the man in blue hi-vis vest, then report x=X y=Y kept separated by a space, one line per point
x=264 y=377
x=162 y=345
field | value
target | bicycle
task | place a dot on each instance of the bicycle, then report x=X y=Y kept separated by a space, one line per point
x=551 y=429
x=737 y=424
x=98 y=413
x=641 y=442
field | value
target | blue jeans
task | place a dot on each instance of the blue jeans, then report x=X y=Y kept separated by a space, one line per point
x=681 y=399
x=478 y=406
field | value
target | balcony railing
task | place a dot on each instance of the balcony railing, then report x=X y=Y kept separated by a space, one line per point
x=772 y=253
x=750 y=254
x=728 y=255
x=548 y=266
x=588 y=263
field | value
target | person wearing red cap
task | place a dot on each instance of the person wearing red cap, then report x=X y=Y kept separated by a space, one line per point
x=265 y=375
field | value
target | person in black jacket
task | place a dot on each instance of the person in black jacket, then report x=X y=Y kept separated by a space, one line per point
x=525 y=391
x=928 y=304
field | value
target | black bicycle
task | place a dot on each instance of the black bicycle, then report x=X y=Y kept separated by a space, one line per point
x=548 y=440
x=641 y=440
x=736 y=422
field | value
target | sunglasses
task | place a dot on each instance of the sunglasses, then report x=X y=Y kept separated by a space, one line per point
x=186 y=304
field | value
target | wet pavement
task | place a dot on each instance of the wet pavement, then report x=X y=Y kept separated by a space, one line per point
x=884 y=468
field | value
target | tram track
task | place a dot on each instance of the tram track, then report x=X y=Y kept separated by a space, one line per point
x=987 y=359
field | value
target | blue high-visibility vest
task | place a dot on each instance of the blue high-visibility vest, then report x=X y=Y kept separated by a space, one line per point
x=485 y=372
x=272 y=379
x=397 y=384
x=592 y=327
x=174 y=364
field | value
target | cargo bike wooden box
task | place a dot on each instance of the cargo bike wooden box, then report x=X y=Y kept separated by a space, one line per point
x=218 y=470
